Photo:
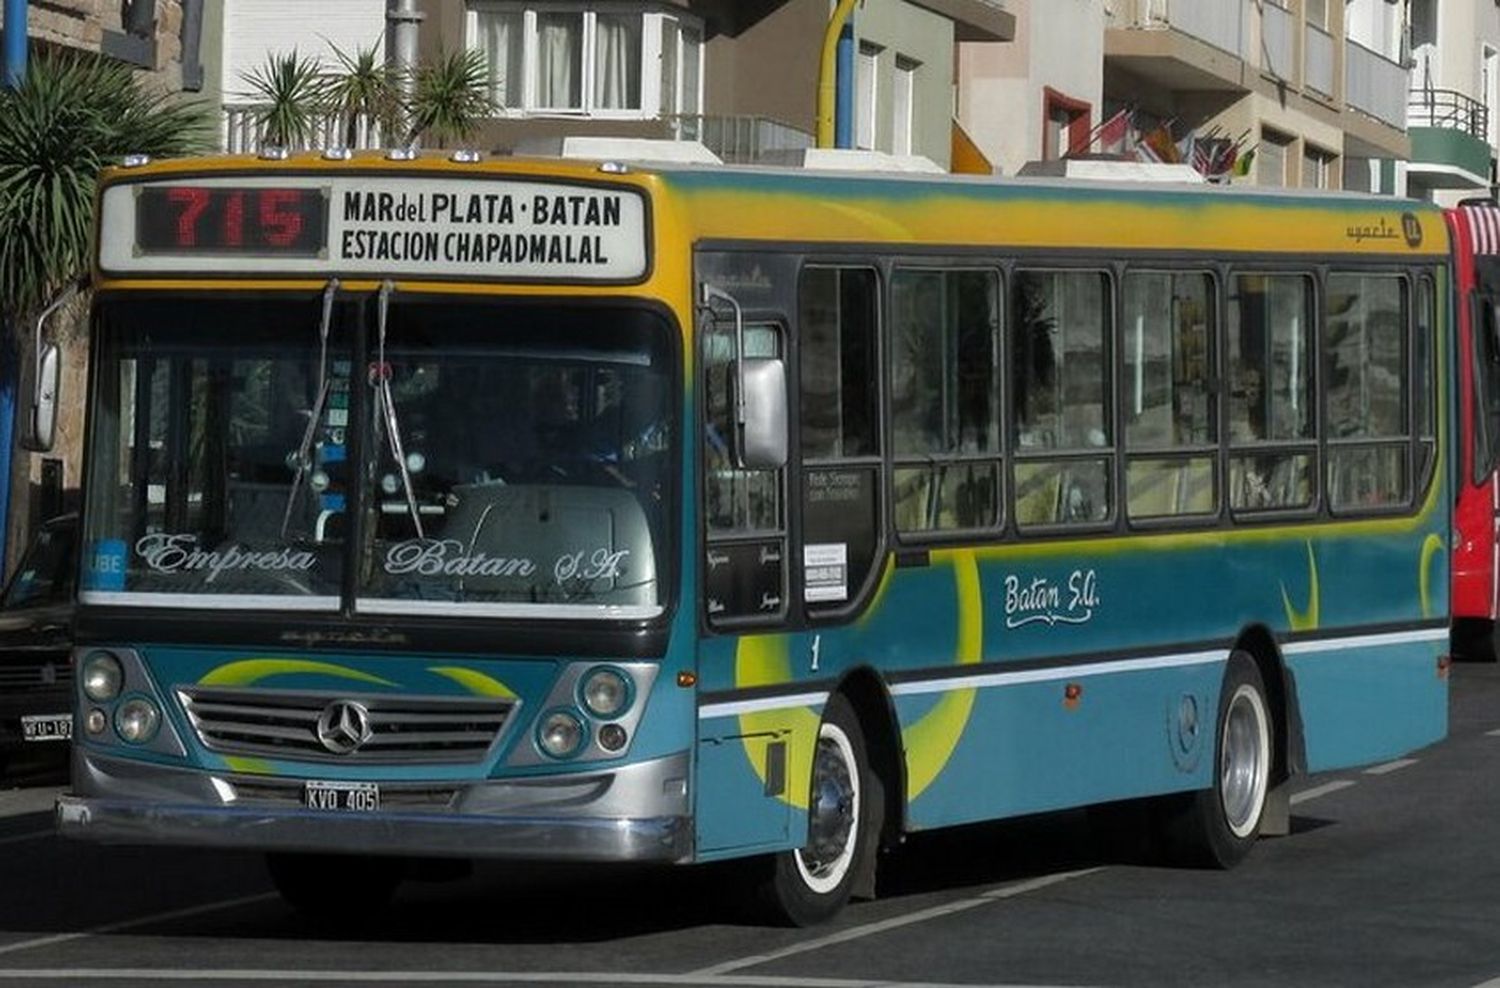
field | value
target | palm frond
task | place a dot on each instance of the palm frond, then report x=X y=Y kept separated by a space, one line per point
x=361 y=88
x=450 y=97
x=288 y=91
x=72 y=114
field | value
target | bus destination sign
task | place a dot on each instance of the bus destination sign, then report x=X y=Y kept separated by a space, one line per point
x=381 y=227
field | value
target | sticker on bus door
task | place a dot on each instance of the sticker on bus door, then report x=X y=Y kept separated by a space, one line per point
x=825 y=572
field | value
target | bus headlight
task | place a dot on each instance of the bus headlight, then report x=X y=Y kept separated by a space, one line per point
x=102 y=677
x=561 y=734
x=137 y=720
x=606 y=693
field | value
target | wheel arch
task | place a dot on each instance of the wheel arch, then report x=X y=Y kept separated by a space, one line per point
x=1290 y=755
x=871 y=699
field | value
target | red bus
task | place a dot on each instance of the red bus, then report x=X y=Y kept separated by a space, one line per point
x=1475 y=229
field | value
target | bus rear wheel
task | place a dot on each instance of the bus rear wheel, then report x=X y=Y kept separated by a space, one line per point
x=811 y=884
x=335 y=888
x=1217 y=827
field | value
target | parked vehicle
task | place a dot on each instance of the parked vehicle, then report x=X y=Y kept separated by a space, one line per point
x=36 y=620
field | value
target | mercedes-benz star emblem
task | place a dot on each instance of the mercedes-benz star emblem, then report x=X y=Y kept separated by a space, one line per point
x=344 y=726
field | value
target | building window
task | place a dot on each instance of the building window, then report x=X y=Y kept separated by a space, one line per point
x=1065 y=123
x=1317 y=168
x=1272 y=158
x=903 y=93
x=1317 y=13
x=866 y=93
x=588 y=59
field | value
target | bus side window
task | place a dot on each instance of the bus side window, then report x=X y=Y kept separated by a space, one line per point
x=1487 y=388
x=745 y=570
x=1170 y=419
x=1424 y=381
x=1365 y=353
x=1272 y=444
x=838 y=319
x=1060 y=396
x=945 y=409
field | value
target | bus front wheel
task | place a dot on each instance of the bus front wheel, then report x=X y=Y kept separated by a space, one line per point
x=1216 y=827
x=811 y=884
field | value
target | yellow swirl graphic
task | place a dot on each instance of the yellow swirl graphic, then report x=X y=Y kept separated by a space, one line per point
x=931 y=740
x=762 y=660
x=1309 y=619
x=1431 y=546
x=474 y=681
x=247 y=672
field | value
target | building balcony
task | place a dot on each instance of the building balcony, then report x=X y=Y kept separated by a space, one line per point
x=1182 y=45
x=1449 y=140
x=741 y=139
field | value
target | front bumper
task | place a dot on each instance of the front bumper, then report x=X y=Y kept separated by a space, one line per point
x=633 y=813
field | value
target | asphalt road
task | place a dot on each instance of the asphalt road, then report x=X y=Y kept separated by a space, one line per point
x=1391 y=877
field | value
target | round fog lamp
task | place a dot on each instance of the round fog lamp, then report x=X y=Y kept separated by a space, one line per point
x=137 y=720
x=612 y=737
x=561 y=734
x=96 y=721
x=605 y=693
x=102 y=677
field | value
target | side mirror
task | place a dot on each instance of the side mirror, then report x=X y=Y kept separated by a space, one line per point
x=39 y=391
x=39 y=428
x=760 y=441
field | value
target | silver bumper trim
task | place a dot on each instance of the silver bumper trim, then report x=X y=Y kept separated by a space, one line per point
x=635 y=813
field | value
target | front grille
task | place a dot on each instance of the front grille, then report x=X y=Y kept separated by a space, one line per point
x=35 y=673
x=402 y=729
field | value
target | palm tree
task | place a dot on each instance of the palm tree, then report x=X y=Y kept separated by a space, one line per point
x=288 y=89
x=361 y=89
x=72 y=115
x=450 y=97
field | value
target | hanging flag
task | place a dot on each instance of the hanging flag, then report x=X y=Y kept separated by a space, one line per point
x=1158 y=146
x=1110 y=135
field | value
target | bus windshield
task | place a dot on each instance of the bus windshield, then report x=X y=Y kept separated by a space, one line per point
x=503 y=459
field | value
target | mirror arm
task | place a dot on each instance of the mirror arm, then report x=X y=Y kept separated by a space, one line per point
x=710 y=293
x=62 y=299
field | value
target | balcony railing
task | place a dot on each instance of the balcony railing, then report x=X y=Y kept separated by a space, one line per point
x=1375 y=85
x=741 y=139
x=1220 y=23
x=243 y=130
x=1448 y=109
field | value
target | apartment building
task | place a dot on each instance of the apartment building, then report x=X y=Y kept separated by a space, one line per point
x=1455 y=98
x=1317 y=89
x=740 y=76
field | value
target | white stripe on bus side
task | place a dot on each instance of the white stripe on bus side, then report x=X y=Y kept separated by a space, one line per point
x=1056 y=673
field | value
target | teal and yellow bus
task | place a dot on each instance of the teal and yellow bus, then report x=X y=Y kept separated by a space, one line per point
x=597 y=511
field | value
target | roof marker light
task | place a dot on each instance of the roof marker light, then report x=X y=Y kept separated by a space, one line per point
x=135 y=160
x=614 y=168
x=272 y=152
x=401 y=154
x=337 y=154
x=465 y=156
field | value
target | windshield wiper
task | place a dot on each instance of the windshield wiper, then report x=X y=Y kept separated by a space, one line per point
x=386 y=407
x=304 y=451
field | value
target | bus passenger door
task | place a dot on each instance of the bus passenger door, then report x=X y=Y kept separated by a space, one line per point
x=744 y=736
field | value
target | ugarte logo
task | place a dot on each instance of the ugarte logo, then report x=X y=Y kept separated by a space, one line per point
x=1041 y=600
